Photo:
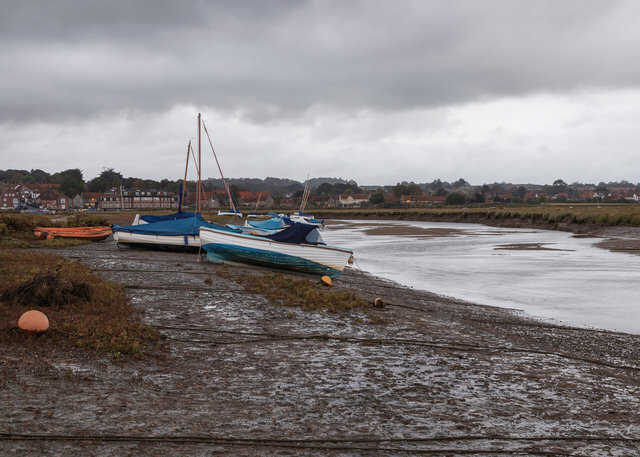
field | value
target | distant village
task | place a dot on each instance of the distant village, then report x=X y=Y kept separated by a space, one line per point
x=118 y=193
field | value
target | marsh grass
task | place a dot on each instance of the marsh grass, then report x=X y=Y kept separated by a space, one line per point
x=87 y=220
x=83 y=309
x=302 y=293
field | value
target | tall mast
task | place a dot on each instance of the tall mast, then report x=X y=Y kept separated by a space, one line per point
x=233 y=207
x=184 y=181
x=199 y=162
x=304 y=192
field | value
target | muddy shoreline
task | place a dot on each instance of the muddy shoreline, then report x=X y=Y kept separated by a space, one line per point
x=236 y=374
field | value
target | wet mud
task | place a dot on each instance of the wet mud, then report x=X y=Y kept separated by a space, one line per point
x=526 y=247
x=238 y=375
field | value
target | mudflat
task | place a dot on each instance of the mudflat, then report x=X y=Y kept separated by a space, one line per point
x=237 y=374
x=618 y=239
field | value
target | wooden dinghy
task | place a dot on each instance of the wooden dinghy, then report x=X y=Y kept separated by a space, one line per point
x=84 y=233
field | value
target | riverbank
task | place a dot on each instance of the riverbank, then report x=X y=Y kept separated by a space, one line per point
x=236 y=373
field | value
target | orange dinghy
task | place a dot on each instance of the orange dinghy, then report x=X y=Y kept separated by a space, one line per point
x=85 y=233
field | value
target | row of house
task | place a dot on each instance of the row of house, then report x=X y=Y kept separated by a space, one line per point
x=36 y=196
x=49 y=197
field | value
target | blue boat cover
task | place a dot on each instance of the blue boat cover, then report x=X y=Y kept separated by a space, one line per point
x=274 y=223
x=188 y=226
x=168 y=217
x=296 y=234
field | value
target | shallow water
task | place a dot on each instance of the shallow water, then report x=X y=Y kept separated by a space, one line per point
x=574 y=282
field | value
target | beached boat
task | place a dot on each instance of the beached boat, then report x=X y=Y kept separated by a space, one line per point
x=84 y=233
x=178 y=231
x=299 y=216
x=180 y=234
x=230 y=212
x=297 y=248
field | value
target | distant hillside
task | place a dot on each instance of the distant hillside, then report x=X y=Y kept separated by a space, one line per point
x=315 y=182
x=277 y=186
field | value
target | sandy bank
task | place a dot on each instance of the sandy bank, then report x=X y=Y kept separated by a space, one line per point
x=237 y=374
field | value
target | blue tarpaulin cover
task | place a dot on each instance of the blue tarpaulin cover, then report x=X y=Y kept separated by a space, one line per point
x=275 y=223
x=168 y=217
x=178 y=227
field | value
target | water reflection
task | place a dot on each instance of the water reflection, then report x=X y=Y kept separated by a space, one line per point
x=568 y=280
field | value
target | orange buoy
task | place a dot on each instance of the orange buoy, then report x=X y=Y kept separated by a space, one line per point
x=33 y=321
x=326 y=281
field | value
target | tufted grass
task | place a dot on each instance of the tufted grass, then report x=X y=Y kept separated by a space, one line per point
x=83 y=309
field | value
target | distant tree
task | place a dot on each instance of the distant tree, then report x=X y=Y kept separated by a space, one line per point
x=172 y=186
x=459 y=183
x=324 y=188
x=377 y=198
x=559 y=186
x=71 y=181
x=521 y=192
x=436 y=184
x=454 y=198
x=478 y=198
x=400 y=189
x=41 y=177
x=14 y=176
x=71 y=187
x=441 y=192
x=108 y=179
x=414 y=189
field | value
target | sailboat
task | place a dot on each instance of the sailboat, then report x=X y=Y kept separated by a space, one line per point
x=299 y=215
x=173 y=231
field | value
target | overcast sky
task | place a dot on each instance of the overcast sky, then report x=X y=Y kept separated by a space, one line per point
x=376 y=91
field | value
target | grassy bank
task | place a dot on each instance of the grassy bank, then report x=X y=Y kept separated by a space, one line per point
x=83 y=309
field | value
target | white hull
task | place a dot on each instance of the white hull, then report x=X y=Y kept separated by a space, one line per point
x=158 y=240
x=263 y=251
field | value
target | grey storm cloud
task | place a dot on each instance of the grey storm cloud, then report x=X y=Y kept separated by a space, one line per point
x=268 y=59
